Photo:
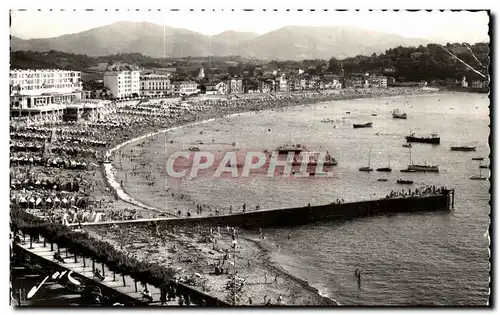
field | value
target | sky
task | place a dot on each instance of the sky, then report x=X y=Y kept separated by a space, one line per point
x=441 y=26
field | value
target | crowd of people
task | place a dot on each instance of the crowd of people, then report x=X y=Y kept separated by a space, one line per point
x=53 y=180
x=418 y=192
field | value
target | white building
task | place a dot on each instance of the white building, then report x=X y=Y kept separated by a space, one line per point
x=123 y=82
x=155 y=85
x=35 y=88
x=186 y=88
x=464 y=82
x=201 y=74
x=377 y=81
x=283 y=83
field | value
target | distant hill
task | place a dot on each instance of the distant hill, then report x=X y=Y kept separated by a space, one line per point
x=291 y=42
x=233 y=37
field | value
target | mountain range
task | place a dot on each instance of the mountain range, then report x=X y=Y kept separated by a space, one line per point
x=286 y=43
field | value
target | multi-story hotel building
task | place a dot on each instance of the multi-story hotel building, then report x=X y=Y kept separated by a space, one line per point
x=122 y=81
x=37 y=88
x=155 y=85
x=234 y=86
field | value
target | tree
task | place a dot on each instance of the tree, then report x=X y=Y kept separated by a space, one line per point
x=333 y=65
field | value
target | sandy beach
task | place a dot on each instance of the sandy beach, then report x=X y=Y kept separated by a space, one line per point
x=192 y=253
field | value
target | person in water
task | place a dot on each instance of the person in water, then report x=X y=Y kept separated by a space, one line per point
x=358 y=275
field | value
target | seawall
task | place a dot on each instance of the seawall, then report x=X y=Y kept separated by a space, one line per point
x=308 y=214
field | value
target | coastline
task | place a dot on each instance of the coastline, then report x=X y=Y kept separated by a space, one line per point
x=140 y=197
x=112 y=171
x=264 y=249
x=193 y=252
x=269 y=262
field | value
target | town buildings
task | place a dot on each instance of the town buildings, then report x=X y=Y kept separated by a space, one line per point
x=234 y=86
x=479 y=84
x=185 y=88
x=155 y=85
x=95 y=89
x=378 y=81
x=216 y=88
x=36 y=88
x=283 y=83
x=201 y=74
x=123 y=81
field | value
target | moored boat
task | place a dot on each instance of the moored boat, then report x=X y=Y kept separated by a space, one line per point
x=424 y=168
x=367 y=125
x=404 y=181
x=407 y=171
x=432 y=139
x=407 y=145
x=290 y=147
x=478 y=158
x=382 y=179
x=398 y=114
x=367 y=168
x=385 y=169
x=314 y=160
x=195 y=149
x=463 y=148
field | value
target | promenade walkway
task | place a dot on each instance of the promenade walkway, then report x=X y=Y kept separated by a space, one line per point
x=112 y=281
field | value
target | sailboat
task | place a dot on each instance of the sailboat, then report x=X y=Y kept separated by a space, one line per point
x=412 y=167
x=367 y=168
x=385 y=169
x=480 y=177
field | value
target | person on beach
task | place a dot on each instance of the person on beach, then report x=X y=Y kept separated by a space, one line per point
x=265 y=277
x=289 y=235
x=249 y=300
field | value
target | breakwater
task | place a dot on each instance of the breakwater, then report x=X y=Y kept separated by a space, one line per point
x=314 y=213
